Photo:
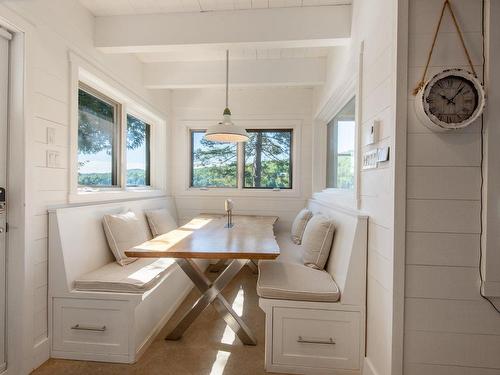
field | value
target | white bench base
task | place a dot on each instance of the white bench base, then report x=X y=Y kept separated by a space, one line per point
x=77 y=246
x=304 y=337
x=132 y=321
x=288 y=322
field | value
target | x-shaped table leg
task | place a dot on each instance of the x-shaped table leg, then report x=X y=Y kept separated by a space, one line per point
x=211 y=293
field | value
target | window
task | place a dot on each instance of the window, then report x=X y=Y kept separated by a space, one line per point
x=268 y=159
x=138 y=154
x=265 y=162
x=213 y=164
x=98 y=139
x=340 y=149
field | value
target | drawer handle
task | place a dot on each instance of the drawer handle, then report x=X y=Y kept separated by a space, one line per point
x=78 y=327
x=330 y=341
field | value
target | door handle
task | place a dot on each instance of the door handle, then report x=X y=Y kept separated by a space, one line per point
x=79 y=327
x=329 y=341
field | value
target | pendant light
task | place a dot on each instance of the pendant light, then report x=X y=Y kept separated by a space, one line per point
x=226 y=131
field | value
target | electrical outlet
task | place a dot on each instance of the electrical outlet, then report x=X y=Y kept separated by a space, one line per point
x=51 y=136
x=52 y=159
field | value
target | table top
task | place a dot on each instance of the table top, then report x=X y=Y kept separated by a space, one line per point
x=205 y=237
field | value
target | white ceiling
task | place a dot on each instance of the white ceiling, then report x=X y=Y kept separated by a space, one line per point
x=128 y=7
x=193 y=63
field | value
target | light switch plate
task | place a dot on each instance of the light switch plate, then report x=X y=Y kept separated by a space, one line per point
x=383 y=154
x=52 y=159
x=51 y=136
x=370 y=159
x=373 y=133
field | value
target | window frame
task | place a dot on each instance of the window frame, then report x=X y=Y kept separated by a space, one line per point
x=83 y=71
x=191 y=163
x=116 y=160
x=182 y=186
x=292 y=145
x=149 y=131
x=335 y=120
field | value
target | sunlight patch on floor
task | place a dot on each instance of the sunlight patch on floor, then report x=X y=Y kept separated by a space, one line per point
x=229 y=336
x=220 y=363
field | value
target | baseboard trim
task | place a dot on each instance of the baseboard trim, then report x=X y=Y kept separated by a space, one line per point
x=41 y=353
x=368 y=368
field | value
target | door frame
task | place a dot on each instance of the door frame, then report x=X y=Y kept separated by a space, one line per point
x=19 y=327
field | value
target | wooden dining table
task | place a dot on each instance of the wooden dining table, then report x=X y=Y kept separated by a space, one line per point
x=208 y=237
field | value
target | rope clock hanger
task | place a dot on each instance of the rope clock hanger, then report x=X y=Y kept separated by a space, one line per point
x=453 y=98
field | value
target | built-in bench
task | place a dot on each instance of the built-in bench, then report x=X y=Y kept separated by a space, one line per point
x=99 y=310
x=315 y=319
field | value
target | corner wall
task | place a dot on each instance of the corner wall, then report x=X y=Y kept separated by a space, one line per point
x=449 y=328
x=58 y=27
x=254 y=107
x=375 y=24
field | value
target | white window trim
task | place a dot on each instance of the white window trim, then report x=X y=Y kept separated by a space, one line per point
x=295 y=191
x=83 y=71
x=352 y=87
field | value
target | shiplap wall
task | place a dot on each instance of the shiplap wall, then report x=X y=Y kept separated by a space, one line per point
x=258 y=108
x=374 y=24
x=59 y=26
x=449 y=329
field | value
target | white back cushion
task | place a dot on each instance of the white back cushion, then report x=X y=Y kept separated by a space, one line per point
x=299 y=225
x=124 y=231
x=160 y=221
x=317 y=241
x=347 y=260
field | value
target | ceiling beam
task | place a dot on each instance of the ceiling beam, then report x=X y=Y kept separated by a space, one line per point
x=259 y=28
x=242 y=73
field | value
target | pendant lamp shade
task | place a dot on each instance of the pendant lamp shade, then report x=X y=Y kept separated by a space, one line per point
x=226 y=131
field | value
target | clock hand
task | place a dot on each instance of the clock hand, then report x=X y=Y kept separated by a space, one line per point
x=454 y=96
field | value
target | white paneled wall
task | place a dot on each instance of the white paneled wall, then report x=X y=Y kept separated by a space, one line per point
x=449 y=328
x=374 y=24
x=60 y=26
x=285 y=107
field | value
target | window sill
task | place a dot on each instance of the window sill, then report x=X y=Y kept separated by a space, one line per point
x=103 y=195
x=240 y=192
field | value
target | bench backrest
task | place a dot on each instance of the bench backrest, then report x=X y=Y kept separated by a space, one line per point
x=347 y=261
x=77 y=243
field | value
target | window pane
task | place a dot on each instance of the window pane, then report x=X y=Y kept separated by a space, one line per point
x=96 y=141
x=138 y=156
x=340 y=149
x=213 y=164
x=268 y=163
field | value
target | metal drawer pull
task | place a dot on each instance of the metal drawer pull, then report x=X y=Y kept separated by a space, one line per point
x=78 y=327
x=330 y=341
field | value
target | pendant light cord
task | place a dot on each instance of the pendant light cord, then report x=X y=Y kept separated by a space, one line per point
x=227 y=78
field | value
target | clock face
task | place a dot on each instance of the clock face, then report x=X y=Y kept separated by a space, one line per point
x=452 y=99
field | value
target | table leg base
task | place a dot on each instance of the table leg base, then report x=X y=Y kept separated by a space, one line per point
x=211 y=294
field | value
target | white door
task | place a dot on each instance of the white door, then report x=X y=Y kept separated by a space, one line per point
x=4 y=87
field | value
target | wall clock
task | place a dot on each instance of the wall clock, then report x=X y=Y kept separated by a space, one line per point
x=452 y=99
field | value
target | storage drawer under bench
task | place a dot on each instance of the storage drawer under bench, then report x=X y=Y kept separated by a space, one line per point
x=90 y=326
x=316 y=338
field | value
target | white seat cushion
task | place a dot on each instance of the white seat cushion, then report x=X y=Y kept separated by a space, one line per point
x=291 y=281
x=299 y=225
x=289 y=251
x=124 y=231
x=136 y=277
x=317 y=241
x=160 y=221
